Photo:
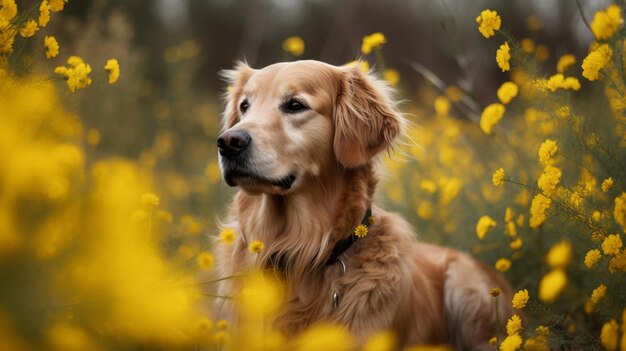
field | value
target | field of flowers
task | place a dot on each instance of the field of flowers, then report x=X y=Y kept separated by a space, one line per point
x=102 y=248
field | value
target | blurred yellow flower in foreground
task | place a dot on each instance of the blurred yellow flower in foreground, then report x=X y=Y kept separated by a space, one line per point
x=560 y=255
x=227 y=236
x=324 y=337
x=206 y=260
x=488 y=23
x=605 y=23
x=294 y=45
x=552 y=285
x=609 y=335
x=150 y=199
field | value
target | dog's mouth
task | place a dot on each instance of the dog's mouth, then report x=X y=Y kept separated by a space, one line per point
x=252 y=180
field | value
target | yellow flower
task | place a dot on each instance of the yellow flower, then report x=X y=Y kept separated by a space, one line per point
x=513 y=325
x=609 y=335
x=227 y=236
x=294 y=45
x=491 y=115
x=511 y=343
x=592 y=257
x=381 y=341
x=442 y=106
x=618 y=262
x=57 y=5
x=598 y=293
x=507 y=91
x=495 y=292
x=607 y=184
x=113 y=67
x=360 y=231
x=256 y=247
x=222 y=324
x=547 y=149
x=29 y=29
x=503 y=56
x=606 y=23
x=498 y=177
x=149 y=199
x=596 y=60
x=8 y=10
x=488 y=23
x=538 y=209
x=391 y=76
x=372 y=41
x=503 y=264
x=558 y=81
x=619 y=213
x=612 y=244
x=565 y=62
x=165 y=216
x=52 y=46
x=552 y=284
x=520 y=299
x=206 y=260
x=44 y=13
x=324 y=337
x=77 y=74
x=517 y=243
x=560 y=255
x=484 y=225
x=528 y=45
x=549 y=180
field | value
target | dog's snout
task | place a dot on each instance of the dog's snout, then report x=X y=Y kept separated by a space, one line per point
x=233 y=142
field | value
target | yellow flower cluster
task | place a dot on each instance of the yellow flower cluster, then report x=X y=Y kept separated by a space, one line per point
x=565 y=62
x=491 y=115
x=507 y=91
x=488 y=23
x=549 y=180
x=596 y=61
x=503 y=55
x=606 y=23
x=484 y=225
x=558 y=81
x=520 y=299
x=52 y=46
x=560 y=255
x=372 y=41
x=552 y=285
x=538 y=208
x=77 y=74
x=498 y=177
x=256 y=247
x=547 y=149
x=592 y=257
x=607 y=184
x=113 y=67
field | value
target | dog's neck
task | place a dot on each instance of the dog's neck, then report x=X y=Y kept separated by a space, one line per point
x=301 y=229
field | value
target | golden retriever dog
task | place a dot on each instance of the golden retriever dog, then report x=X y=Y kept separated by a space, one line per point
x=301 y=140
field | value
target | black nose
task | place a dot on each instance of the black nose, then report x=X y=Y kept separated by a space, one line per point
x=233 y=142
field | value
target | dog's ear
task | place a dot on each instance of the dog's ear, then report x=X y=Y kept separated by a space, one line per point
x=235 y=79
x=366 y=118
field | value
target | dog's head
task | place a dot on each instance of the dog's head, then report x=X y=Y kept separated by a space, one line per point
x=290 y=122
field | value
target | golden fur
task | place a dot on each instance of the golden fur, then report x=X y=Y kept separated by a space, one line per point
x=425 y=293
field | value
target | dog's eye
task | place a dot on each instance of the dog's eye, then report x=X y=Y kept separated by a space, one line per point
x=293 y=106
x=243 y=106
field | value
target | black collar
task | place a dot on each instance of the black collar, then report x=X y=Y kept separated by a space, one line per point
x=345 y=244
